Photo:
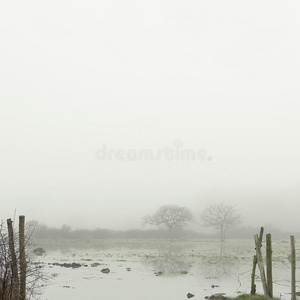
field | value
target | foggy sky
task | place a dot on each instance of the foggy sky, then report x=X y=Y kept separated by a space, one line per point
x=77 y=76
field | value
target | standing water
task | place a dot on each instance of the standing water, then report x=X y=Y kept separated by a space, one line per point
x=154 y=269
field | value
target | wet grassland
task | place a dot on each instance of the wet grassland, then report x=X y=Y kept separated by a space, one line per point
x=135 y=269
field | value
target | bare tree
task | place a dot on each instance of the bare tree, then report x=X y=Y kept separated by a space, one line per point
x=221 y=217
x=19 y=278
x=172 y=216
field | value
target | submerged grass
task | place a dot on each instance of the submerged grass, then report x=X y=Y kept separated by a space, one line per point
x=251 y=297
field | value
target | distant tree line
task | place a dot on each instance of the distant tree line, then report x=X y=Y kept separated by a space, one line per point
x=245 y=232
x=171 y=221
x=43 y=231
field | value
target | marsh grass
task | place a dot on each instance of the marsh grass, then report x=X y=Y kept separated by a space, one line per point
x=158 y=273
x=251 y=297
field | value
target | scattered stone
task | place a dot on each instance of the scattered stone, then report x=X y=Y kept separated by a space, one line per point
x=105 y=270
x=75 y=265
x=94 y=265
x=39 y=251
x=68 y=265
x=189 y=295
x=219 y=296
x=37 y=263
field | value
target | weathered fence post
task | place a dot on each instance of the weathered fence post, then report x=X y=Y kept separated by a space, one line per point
x=14 y=263
x=253 y=285
x=261 y=233
x=269 y=264
x=261 y=264
x=22 y=257
x=293 y=267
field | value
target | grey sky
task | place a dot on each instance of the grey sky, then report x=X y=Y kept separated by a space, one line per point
x=216 y=75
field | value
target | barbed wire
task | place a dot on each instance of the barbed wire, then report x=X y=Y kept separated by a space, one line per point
x=239 y=278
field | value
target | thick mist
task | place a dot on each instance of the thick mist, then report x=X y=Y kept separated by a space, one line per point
x=208 y=88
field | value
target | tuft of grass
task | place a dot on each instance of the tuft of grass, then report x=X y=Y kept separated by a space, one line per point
x=158 y=273
x=251 y=297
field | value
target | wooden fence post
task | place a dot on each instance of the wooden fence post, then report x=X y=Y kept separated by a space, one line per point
x=269 y=264
x=14 y=262
x=253 y=285
x=261 y=233
x=293 y=267
x=22 y=257
x=261 y=264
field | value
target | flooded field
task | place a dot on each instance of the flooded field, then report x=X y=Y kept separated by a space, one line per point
x=155 y=269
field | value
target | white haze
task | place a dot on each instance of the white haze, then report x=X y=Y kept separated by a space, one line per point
x=216 y=75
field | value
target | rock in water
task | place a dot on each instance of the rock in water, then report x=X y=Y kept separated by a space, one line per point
x=219 y=296
x=94 y=265
x=39 y=251
x=106 y=270
x=189 y=295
